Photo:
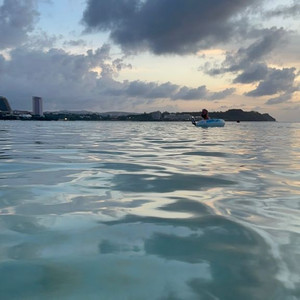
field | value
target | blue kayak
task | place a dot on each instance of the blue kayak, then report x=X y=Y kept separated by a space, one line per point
x=209 y=123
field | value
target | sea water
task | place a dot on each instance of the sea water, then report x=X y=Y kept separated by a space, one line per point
x=149 y=210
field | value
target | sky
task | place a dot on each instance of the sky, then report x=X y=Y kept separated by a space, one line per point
x=148 y=55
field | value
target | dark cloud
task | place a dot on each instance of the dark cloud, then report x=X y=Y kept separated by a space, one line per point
x=186 y=93
x=150 y=90
x=75 y=43
x=201 y=93
x=165 y=90
x=275 y=81
x=42 y=40
x=249 y=59
x=82 y=81
x=280 y=99
x=2 y=63
x=139 y=88
x=285 y=11
x=154 y=90
x=267 y=40
x=249 y=65
x=65 y=80
x=255 y=72
x=165 y=26
x=17 y=18
x=221 y=95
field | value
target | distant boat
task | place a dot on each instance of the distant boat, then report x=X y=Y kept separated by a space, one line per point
x=209 y=123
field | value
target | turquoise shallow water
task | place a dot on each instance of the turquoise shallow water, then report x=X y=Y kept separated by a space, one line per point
x=120 y=210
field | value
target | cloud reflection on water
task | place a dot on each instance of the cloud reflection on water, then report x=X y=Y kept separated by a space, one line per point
x=129 y=212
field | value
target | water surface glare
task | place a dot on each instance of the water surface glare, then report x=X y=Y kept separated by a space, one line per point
x=121 y=210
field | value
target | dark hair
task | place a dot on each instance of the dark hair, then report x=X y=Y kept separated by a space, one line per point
x=204 y=113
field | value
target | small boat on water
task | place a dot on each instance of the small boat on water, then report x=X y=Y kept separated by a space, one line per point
x=209 y=123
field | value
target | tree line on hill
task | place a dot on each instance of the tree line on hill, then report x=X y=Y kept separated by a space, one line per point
x=230 y=115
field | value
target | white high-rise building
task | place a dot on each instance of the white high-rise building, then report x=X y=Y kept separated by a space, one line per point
x=37 y=106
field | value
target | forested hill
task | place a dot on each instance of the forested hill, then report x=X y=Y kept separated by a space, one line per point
x=230 y=115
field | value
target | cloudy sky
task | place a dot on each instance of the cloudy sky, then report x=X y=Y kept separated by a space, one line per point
x=147 y=55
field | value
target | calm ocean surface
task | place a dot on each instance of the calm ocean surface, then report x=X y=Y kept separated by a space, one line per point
x=146 y=211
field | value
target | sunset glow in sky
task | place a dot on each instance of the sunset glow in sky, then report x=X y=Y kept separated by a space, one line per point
x=147 y=55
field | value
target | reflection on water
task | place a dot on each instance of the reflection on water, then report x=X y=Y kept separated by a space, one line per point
x=119 y=210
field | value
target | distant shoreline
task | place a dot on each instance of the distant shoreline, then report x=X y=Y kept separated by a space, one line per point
x=234 y=115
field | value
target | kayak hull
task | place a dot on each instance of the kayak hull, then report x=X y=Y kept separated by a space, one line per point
x=210 y=123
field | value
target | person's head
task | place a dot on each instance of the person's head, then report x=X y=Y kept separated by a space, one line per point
x=204 y=113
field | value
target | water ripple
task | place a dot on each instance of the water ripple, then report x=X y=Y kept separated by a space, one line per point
x=149 y=211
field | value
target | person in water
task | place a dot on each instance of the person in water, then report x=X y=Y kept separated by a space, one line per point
x=204 y=114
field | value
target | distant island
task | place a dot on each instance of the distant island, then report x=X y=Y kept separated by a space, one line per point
x=230 y=115
x=240 y=115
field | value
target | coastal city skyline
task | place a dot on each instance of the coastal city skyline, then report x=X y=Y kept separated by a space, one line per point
x=7 y=110
x=37 y=114
x=144 y=56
